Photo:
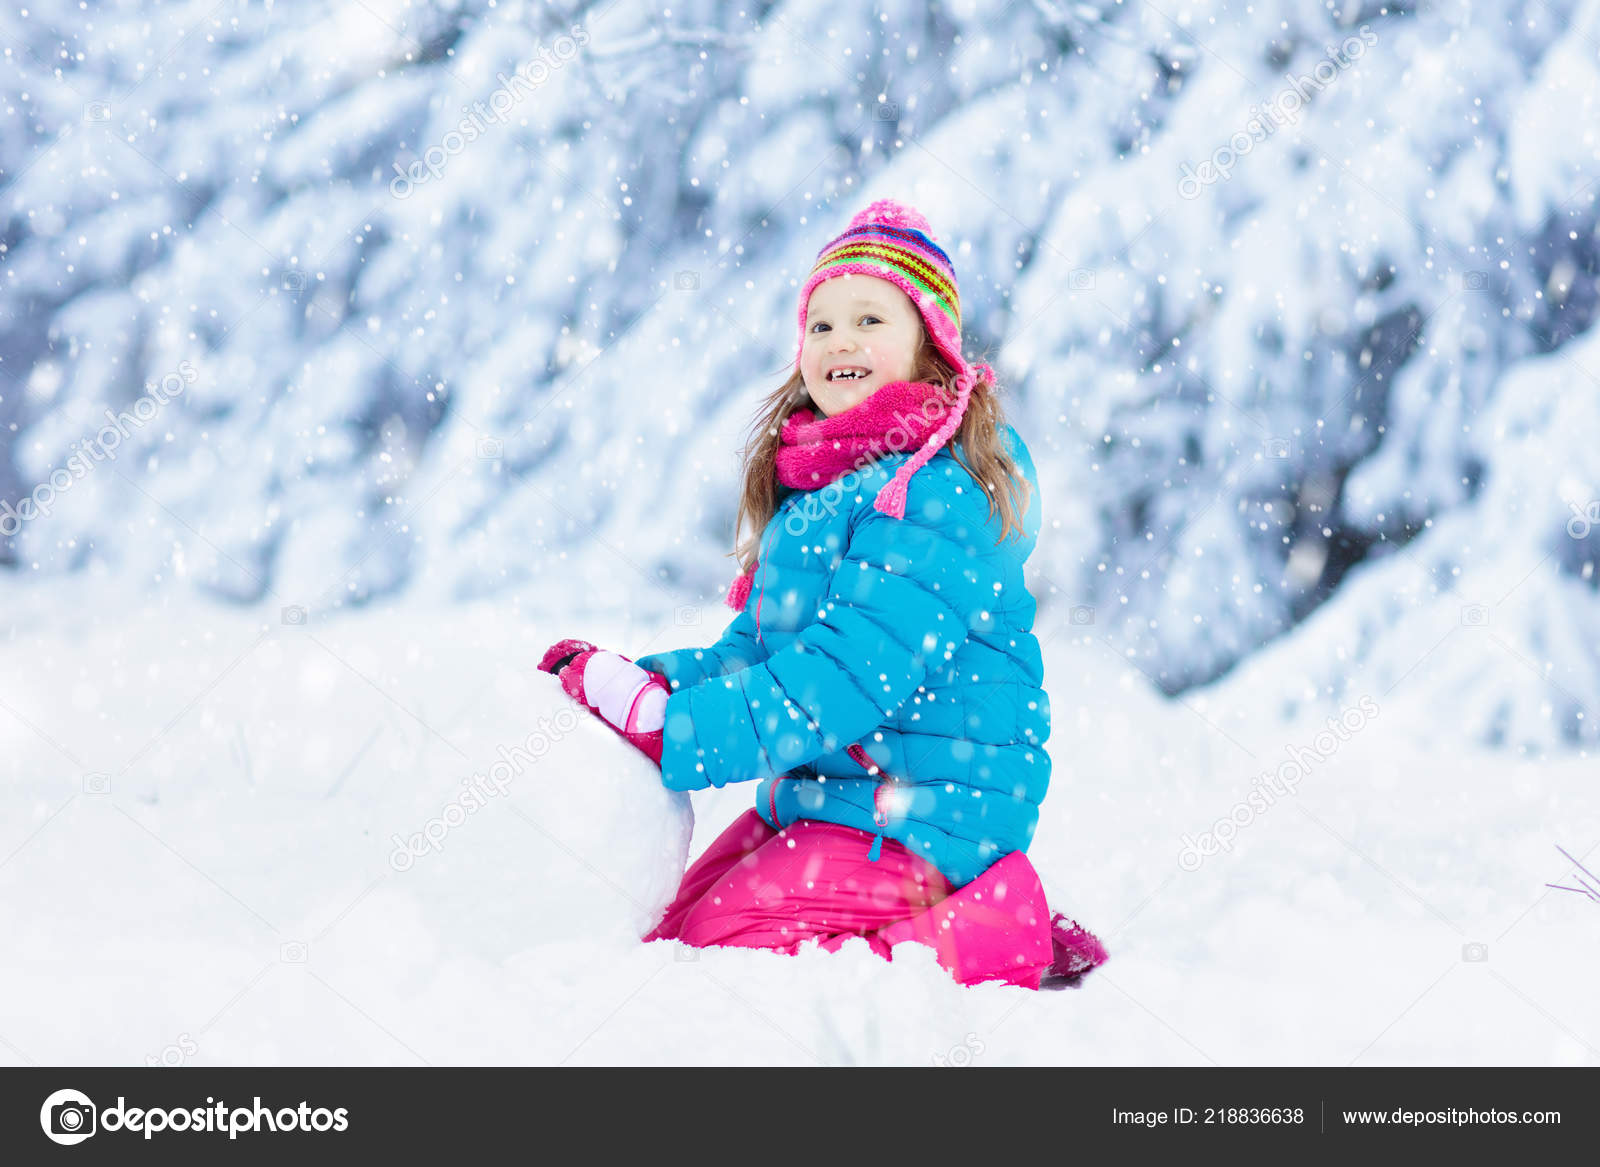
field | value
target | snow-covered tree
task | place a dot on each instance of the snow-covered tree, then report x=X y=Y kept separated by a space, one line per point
x=1292 y=302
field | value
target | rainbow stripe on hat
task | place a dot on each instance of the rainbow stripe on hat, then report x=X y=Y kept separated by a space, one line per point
x=879 y=249
x=894 y=242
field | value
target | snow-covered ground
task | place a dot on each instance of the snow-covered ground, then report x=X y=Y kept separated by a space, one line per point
x=197 y=866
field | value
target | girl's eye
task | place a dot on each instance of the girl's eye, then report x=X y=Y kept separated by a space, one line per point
x=822 y=324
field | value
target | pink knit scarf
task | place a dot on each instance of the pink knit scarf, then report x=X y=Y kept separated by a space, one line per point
x=896 y=417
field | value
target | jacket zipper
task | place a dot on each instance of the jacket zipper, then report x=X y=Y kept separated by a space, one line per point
x=880 y=797
x=761 y=590
x=772 y=801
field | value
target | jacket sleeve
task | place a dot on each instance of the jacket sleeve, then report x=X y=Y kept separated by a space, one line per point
x=736 y=649
x=906 y=594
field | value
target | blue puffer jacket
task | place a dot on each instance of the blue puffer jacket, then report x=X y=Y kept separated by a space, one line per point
x=912 y=637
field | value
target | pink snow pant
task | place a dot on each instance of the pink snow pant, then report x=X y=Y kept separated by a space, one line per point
x=759 y=888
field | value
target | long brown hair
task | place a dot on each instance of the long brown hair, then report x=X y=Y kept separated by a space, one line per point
x=978 y=438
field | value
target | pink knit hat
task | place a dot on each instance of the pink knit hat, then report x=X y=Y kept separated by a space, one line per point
x=893 y=242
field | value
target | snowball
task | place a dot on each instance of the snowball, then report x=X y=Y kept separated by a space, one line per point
x=608 y=844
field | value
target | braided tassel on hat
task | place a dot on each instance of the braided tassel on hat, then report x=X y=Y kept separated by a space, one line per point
x=891 y=498
x=739 y=589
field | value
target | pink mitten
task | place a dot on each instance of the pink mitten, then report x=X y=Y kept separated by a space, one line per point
x=631 y=700
x=560 y=654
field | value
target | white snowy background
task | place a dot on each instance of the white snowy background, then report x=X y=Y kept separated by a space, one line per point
x=1319 y=436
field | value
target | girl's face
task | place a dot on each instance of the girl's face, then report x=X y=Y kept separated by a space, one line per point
x=862 y=323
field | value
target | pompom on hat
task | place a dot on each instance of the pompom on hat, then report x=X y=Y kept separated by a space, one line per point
x=892 y=241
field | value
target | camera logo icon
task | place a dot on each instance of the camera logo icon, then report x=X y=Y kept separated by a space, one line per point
x=97 y=783
x=1081 y=614
x=1081 y=279
x=68 y=1117
x=686 y=281
x=888 y=111
x=294 y=282
x=97 y=111
x=1277 y=447
x=292 y=952
x=1475 y=952
x=1474 y=615
x=294 y=614
x=1474 y=281
x=490 y=449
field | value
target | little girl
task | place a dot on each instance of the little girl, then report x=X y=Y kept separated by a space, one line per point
x=888 y=699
